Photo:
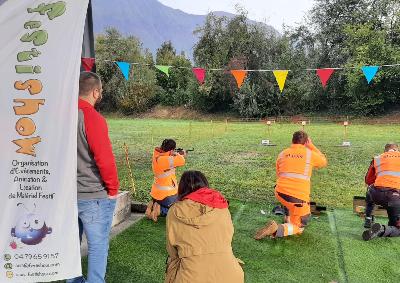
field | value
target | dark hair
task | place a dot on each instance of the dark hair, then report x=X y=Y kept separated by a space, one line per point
x=300 y=137
x=87 y=82
x=390 y=146
x=190 y=182
x=168 y=144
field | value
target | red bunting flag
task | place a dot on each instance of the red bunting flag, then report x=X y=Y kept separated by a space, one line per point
x=324 y=75
x=88 y=63
x=239 y=76
x=200 y=74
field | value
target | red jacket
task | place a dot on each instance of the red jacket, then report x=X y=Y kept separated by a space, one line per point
x=208 y=197
x=370 y=176
x=97 y=138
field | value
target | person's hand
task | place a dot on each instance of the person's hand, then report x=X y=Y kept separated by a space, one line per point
x=308 y=142
x=113 y=197
x=183 y=153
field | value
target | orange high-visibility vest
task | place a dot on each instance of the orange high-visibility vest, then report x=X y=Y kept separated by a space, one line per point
x=164 y=164
x=294 y=169
x=387 y=170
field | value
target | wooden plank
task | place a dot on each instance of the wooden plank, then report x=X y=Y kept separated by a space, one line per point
x=359 y=205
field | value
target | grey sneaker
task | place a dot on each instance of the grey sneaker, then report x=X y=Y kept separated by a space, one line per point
x=375 y=231
x=368 y=222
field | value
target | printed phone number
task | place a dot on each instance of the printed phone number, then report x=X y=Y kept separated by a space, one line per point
x=36 y=256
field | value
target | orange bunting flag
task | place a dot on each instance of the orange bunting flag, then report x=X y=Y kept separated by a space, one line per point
x=280 y=76
x=239 y=76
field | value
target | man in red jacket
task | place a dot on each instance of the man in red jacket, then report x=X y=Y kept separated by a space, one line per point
x=383 y=178
x=97 y=178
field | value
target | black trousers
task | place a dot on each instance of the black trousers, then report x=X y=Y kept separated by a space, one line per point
x=369 y=207
x=390 y=200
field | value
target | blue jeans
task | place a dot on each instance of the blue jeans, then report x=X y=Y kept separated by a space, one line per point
x=95 y=217
x=166 y=203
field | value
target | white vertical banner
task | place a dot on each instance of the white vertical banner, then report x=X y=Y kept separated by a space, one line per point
x=40 y=48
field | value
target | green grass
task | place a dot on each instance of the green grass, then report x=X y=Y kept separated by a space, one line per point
x=236 y=164
x=330 y=249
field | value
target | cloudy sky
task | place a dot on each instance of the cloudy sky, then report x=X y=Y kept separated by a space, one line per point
x=272 y=12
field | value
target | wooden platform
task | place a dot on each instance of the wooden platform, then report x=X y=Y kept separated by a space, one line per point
x=122 y=208
x=359 y=207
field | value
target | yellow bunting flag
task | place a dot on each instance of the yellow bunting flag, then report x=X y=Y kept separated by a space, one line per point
x=239 y=76
x=280 y=76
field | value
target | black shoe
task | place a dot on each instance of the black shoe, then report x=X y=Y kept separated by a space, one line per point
x=374 y=232
x=368 y=222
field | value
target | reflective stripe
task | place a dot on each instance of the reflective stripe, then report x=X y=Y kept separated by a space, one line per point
x=171 y=162
x=290 y=229
x=378 y=164
x=308 y=162
x=295 y=175
x=389 y=173
x=305 y=175
x=164 y=188
x=166 y=174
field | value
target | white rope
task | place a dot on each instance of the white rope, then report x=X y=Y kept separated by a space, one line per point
x=260 y=70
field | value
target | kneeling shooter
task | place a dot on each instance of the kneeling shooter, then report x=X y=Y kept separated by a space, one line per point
x=384 y=173
x=164 y=190
x=293 y=170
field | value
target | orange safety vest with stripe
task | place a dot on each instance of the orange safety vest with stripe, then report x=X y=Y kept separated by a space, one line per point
x=294 y=169
x=164 y=164
x=387 y=170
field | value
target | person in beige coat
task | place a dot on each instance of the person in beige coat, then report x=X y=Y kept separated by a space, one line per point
x=199 y=235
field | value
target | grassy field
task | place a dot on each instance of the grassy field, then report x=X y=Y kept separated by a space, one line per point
x=234 y=161
x=330 y=250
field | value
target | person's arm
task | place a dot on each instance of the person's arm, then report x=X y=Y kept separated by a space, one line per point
x=172 y=251
x=318 y=158
x=100 y=146
x=173 y=258
x=179 y=160
x=171 y=161
x=371 y=175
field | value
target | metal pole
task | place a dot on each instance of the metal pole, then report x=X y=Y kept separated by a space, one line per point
x=88 y=37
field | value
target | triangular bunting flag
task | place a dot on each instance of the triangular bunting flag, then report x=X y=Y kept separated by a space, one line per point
x=164 y=69
x=200 y=74
x=324 y=75
x=88 y=63
x=239 y=76
x=370 y=72
x=280 y=76
x=125 y=68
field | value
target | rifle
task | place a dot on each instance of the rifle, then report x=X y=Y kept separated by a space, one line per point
x=315 y=209
x=181 y=150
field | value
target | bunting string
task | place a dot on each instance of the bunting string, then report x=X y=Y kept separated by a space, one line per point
x=240 y=75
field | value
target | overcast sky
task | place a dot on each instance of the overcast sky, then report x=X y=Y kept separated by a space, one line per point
x=272 y=12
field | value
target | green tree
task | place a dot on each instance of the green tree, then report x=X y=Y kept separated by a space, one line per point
x=174 y=89
x=138 y=93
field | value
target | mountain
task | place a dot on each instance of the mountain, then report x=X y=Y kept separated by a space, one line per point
x=150 y=21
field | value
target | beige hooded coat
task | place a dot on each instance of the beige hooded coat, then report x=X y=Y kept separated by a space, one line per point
x=199 y=241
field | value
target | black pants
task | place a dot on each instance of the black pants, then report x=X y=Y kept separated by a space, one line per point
x=369 y=203
x=390 y=200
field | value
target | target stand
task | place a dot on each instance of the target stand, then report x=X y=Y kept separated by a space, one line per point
x=268 y=142
x=346 y=142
